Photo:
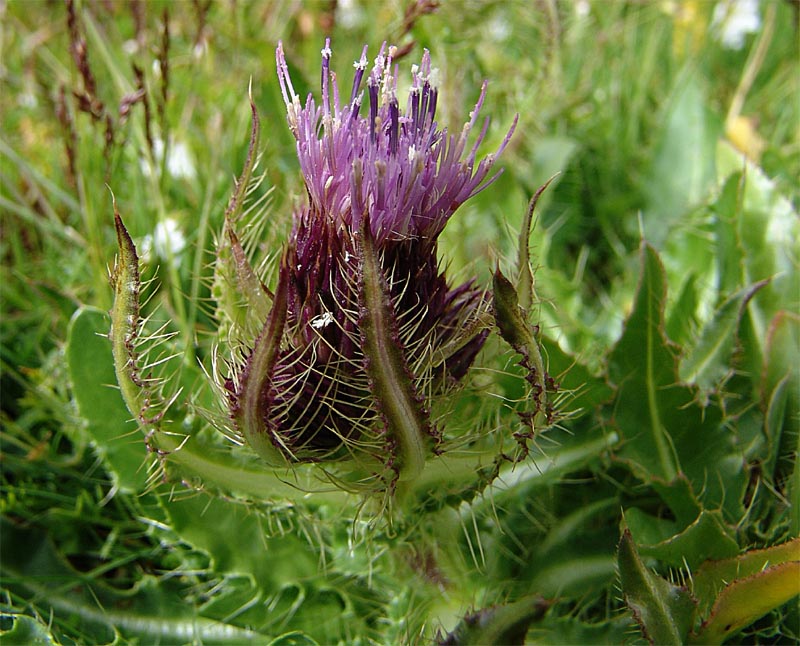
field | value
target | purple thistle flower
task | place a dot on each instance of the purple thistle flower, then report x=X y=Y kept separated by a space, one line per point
x=365 y=328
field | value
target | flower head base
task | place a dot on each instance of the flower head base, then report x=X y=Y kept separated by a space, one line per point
x=365 y=329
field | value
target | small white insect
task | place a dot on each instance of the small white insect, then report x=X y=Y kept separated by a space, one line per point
x=322 y=320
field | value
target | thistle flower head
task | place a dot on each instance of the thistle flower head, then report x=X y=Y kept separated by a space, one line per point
x=398 y=168
x=365 y=328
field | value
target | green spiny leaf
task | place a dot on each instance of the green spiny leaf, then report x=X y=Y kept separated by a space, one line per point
x=708 y=537
x=768 y=230
x=663 y=611
x=682 y=319
x=244 y=548
x=28 y=630
x=643 y=363
x=712 y=576
x=728 y=252
x=746 y=599
x=667 y=434
x=709 y=361
x=91 y=369
x=151 y=611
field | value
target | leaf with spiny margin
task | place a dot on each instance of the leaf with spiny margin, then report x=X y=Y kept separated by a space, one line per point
x=663 y=611
x=680 y=498
x=745 y=600
x=782 y=364
x=711 y=578
x=505 y=624
x=708 y=362
x=708 y=537
x=113 y=433
x=580 y=391
x=728 y=250
x=665 y=432
x=27 y=630
x=151 y=611
x=282 y=565
x=406 y=418
x=643 y=364
x=768 y=231
x=780 y=398
x=237 y=539
x=682 y=319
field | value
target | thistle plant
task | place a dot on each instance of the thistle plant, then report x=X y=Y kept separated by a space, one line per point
x=365 y=329
x=303 y=421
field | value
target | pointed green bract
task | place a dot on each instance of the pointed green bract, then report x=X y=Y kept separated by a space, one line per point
x=236 y=203
x=525 y=282
x=126 y=283
x=250 y=407
x=407 y=424
x=518 y=333
x=240 y=295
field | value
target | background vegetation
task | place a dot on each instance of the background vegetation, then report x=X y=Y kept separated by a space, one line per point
x=661 y=506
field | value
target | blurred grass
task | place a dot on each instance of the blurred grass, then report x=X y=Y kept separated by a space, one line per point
x=595 y=84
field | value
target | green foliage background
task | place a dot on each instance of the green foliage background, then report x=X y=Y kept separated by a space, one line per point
x=666 y=269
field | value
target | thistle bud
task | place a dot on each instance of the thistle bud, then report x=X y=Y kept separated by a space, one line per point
x=365 y=328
